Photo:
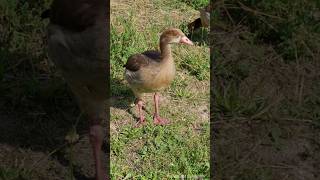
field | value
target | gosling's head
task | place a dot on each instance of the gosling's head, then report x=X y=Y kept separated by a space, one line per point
x=174 y=35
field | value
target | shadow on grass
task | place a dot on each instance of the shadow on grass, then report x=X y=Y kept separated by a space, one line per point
x=121 y=94
x=37 y=109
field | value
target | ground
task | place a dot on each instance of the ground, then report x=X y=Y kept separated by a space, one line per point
x=37 y=109
x=265 y=90
x=181 y=148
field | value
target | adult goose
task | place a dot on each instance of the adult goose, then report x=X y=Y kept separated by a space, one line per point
x=153 y=71
x=203 y=20
x=77 y=39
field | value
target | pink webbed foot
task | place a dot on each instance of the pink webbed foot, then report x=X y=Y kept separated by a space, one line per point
x=157 y=120
x=141 y=122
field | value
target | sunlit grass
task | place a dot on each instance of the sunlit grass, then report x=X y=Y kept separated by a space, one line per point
x=156 y=152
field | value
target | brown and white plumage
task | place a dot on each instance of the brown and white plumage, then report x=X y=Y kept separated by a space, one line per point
x=77 y=38
x=153 y=71
x=203 y=21
x=147 y=72
x=205 y=15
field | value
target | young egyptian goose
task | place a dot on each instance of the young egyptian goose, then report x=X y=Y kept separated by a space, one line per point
x=77 y=39
x=153 y=71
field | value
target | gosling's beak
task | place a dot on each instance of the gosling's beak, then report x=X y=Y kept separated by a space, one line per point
x=185 y=40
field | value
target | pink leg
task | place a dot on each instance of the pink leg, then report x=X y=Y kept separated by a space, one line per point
x=96 y=140
x=156 y=117
x=141 y=117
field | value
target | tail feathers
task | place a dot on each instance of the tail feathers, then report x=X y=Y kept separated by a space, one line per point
x=196 y=24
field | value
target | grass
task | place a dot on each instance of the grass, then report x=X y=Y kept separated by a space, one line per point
x=37 y=109
x=36 y=106
x=279 y=32
x=13 y=174
x=155 y=152
x=263 y=88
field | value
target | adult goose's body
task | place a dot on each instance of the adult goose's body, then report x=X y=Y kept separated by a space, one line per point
x=77 y=39
x=203 y=21
x=205 y=15
x=152 y=71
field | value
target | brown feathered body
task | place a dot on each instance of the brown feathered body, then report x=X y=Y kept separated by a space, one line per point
x=153 y=71
x=77 y=45
x=203 y=20
x=205 y=15
x=154 y=75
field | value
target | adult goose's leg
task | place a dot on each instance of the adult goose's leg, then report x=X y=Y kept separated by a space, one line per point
x=96 y=134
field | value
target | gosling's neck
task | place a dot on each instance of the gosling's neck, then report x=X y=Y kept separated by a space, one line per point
x=165 y=49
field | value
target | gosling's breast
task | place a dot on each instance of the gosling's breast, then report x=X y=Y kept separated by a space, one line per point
x=151 y=79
